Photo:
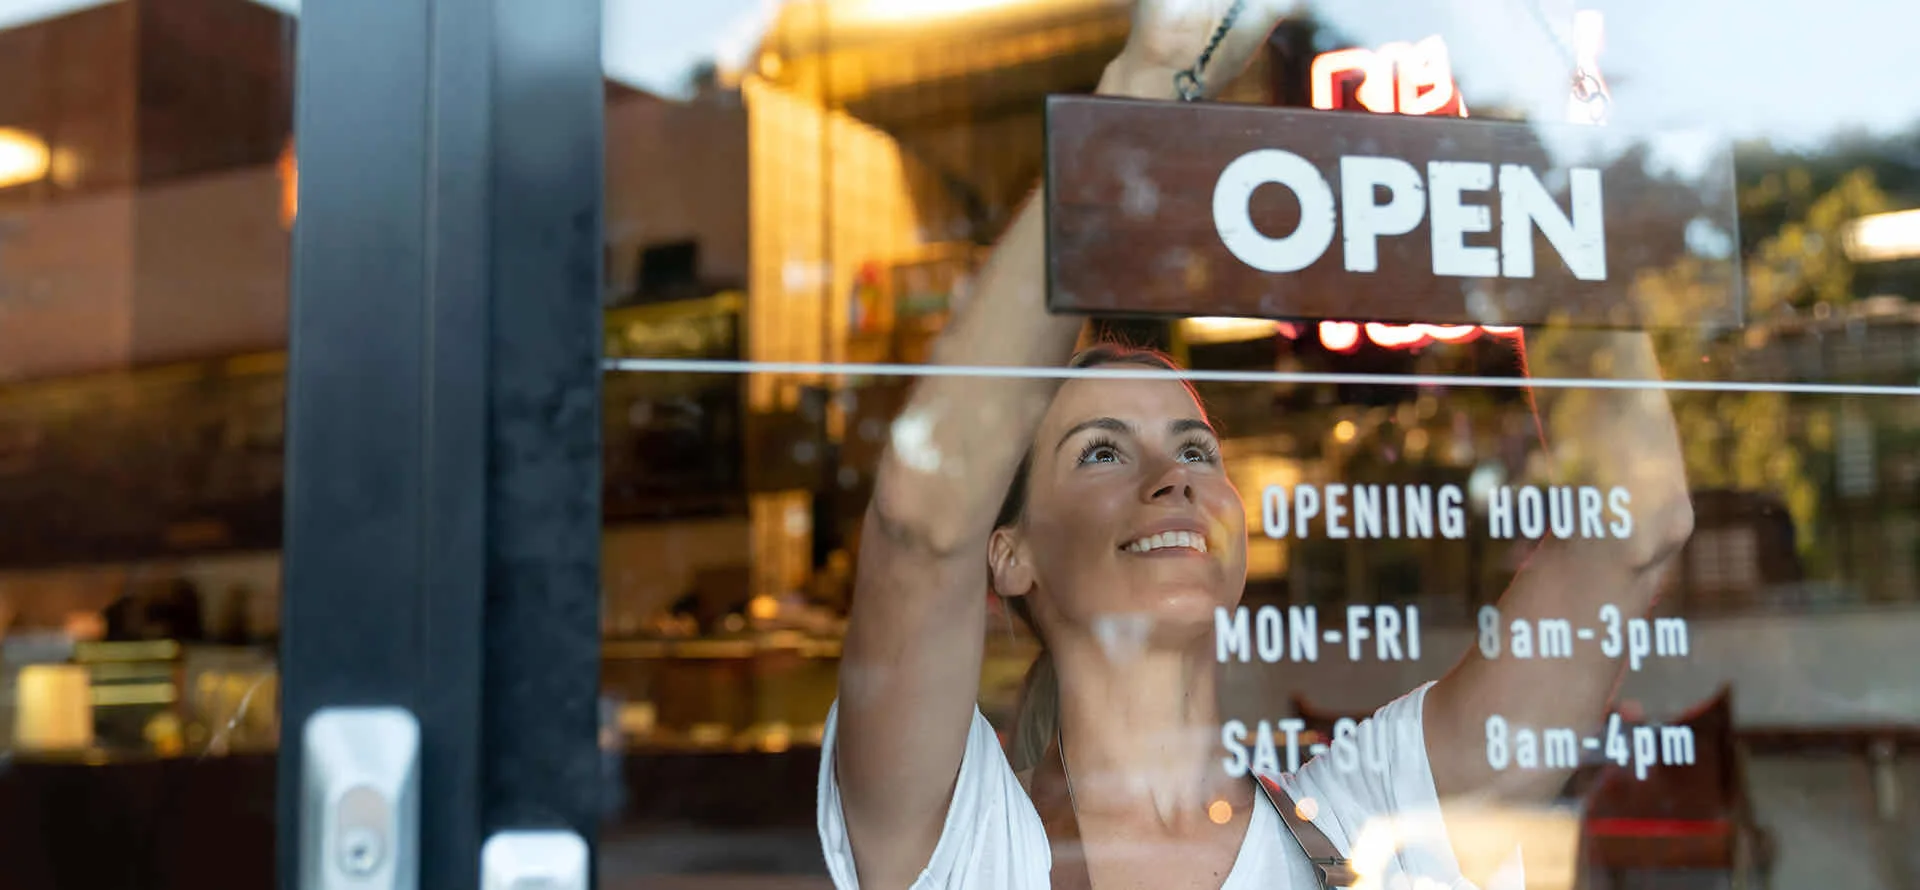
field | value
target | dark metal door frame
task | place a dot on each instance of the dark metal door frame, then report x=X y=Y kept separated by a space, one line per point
x=443 y=462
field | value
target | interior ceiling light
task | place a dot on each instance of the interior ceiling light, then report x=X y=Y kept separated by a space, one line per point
x=23 y=157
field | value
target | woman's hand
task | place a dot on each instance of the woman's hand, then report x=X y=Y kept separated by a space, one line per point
x=910 y=672
x=1169 y=35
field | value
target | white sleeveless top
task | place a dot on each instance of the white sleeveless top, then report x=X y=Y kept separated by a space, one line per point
x=993 y=839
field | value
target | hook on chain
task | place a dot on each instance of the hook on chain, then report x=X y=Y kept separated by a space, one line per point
x=1189 y=84
x=1591 y=93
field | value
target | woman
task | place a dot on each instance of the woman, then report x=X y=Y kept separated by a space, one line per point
x=1100 y=507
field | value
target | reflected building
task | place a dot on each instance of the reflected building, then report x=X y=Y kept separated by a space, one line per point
x=831 y=204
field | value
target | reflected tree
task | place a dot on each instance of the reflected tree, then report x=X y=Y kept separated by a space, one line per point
x=1750 y=441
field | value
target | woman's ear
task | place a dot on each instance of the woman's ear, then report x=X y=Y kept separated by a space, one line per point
x=1010 y=569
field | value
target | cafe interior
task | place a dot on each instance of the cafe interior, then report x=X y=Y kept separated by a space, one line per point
x=829 y=200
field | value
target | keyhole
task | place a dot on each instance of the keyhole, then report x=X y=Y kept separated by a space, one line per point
x=360 y=852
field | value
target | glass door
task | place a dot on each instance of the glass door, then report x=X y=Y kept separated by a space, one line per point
x=801 y=198
x=146 y=184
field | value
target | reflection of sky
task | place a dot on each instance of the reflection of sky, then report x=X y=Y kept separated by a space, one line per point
x=1792 y=71
x=653 y=44
x=20 y=12
x=1787 y=70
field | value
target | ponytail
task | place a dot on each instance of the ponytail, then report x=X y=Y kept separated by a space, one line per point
x=1036 y=719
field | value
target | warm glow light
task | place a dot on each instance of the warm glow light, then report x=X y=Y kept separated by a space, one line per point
x=1344 y=336
x=1883 y=237
x=1376 y=79
x=53 y=708
x=67 y=167
x=1226 y=330
x=777 y=738
x=1220 y=812
x=917 y=10
x=1344 y=431
x=1452 y=333
x=1404 y=78
x=289 y=185
x=85 y=625
x=23 y=157
x=1396 y=336
x=1339 y=336
x=1424 y=79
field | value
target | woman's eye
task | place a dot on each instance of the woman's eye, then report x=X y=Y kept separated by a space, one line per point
x=1196 y=454
x=1099 y=454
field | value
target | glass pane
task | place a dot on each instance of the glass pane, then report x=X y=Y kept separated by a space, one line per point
x=801 y=201
x=146 y=175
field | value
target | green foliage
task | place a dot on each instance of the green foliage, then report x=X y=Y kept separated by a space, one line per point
x=1751 y=441
x=1804 y=262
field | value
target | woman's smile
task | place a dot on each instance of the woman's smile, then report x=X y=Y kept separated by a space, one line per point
x=1168 y=543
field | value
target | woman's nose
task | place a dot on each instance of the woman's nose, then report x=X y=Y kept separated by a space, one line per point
x=1180 y=489
x=1172 y=482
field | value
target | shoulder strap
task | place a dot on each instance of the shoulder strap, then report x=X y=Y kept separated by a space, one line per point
x=1327 y=861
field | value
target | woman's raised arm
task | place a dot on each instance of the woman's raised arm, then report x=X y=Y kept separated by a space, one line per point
x=910 y=671
x=1615 y=440
x=909 y=677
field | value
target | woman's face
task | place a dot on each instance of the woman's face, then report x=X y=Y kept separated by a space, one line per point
x=1129 y=514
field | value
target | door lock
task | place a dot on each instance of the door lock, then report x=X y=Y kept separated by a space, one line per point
x=360 y=800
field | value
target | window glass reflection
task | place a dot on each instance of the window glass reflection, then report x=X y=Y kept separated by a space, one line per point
x=883 y=151
x=146 y=168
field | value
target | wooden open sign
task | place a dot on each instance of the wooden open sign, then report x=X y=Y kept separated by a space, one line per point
x=1158 y=208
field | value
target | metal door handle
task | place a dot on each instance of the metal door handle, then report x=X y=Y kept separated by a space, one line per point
x=360 y=800
x=534 y=860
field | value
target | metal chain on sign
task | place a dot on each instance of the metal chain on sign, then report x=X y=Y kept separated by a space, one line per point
x=1587 y=88
x=1588 y=92
x=1189 y=83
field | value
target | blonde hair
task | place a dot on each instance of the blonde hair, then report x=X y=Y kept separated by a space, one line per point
x=1036 y=719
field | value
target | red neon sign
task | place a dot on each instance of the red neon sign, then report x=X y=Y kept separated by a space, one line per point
x=1397 y=78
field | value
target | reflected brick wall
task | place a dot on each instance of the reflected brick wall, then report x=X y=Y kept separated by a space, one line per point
x=154 y=237
x=676 y=172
